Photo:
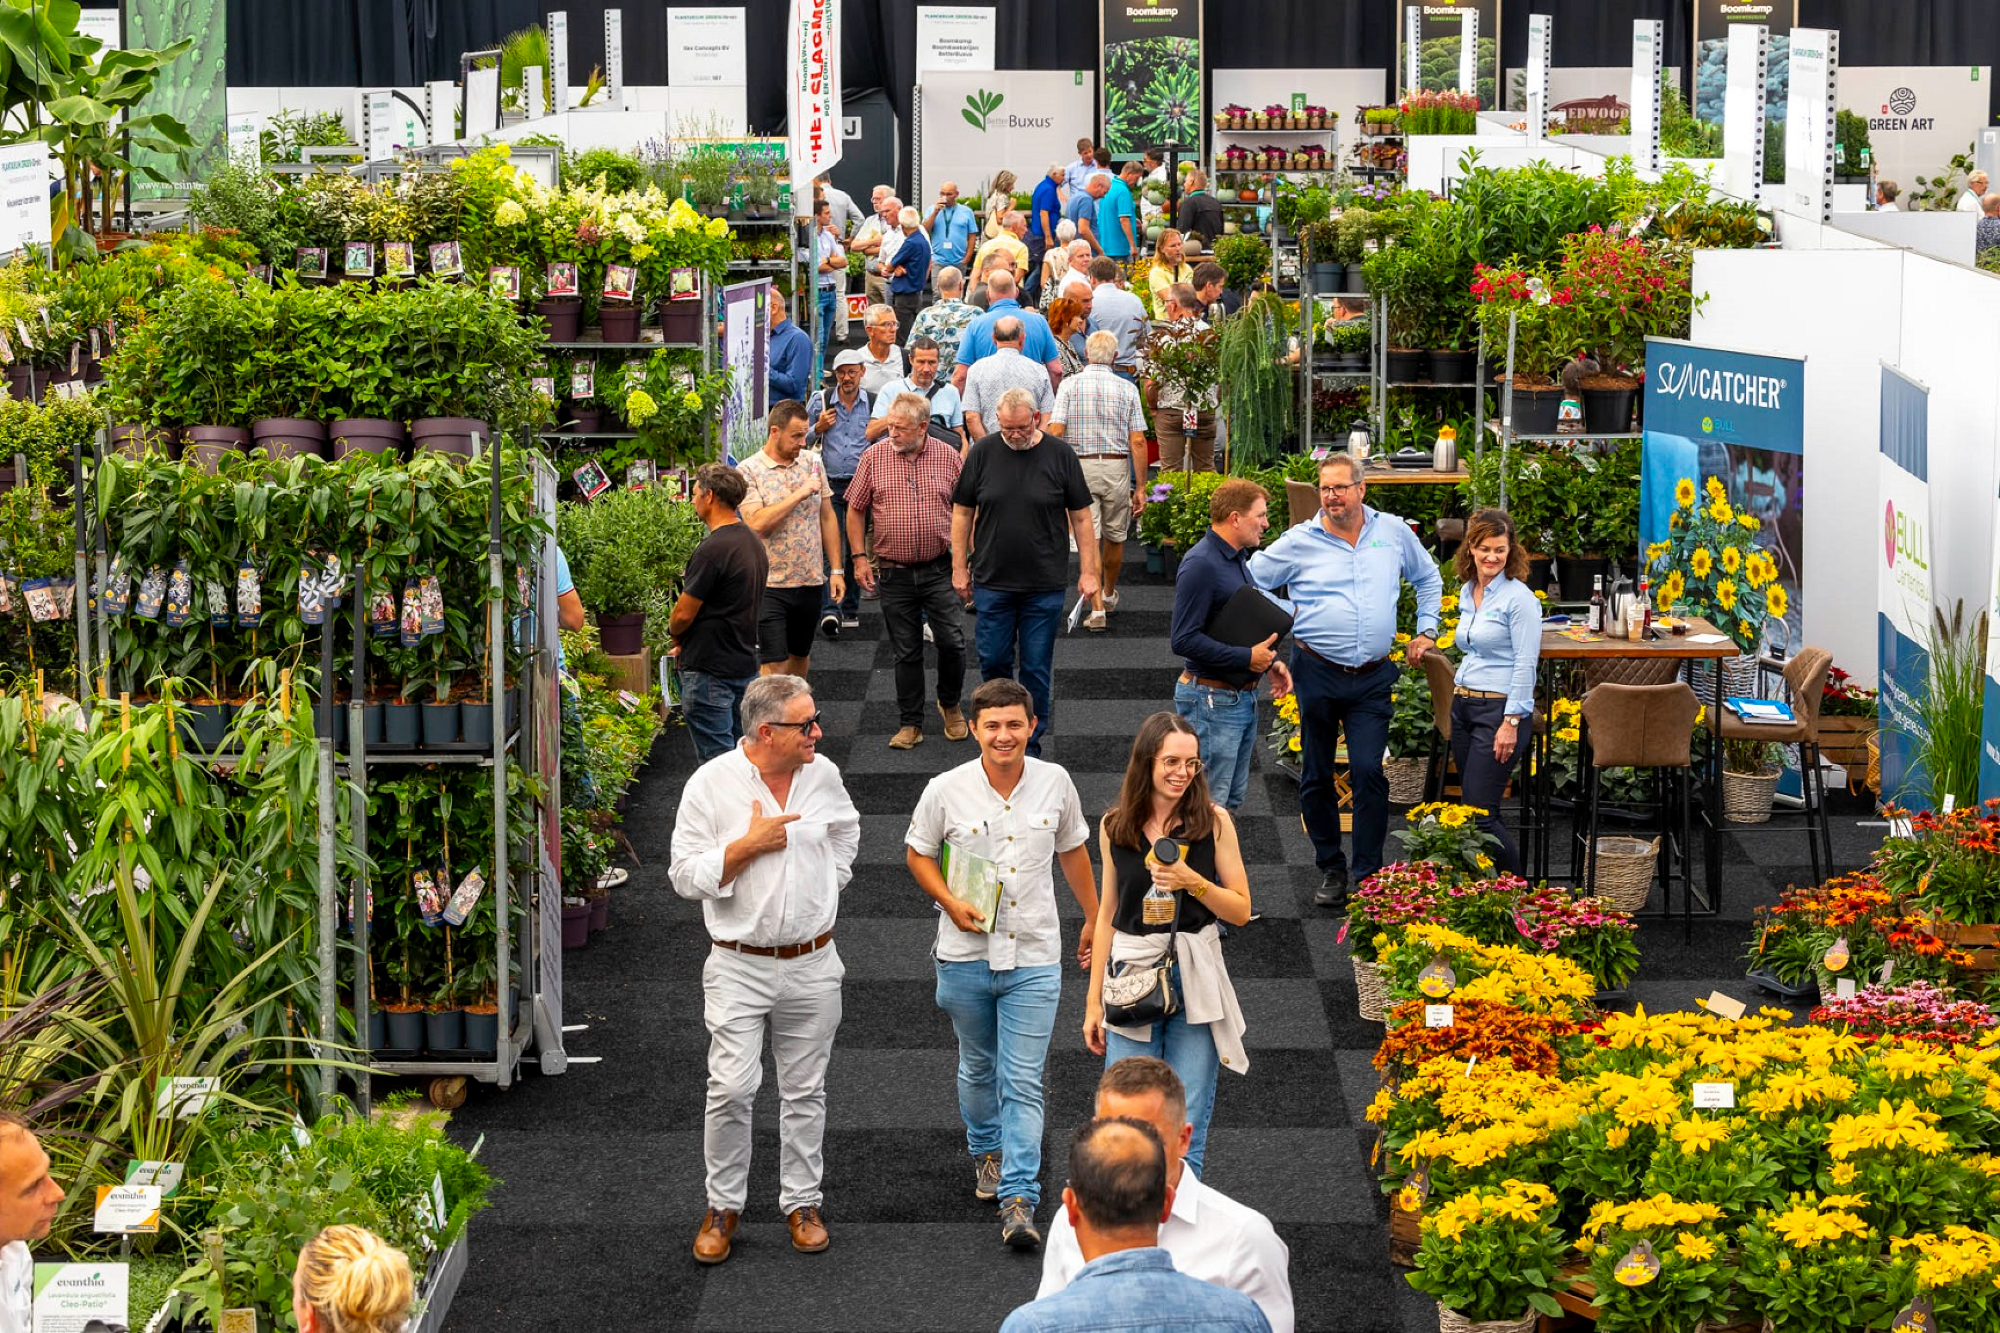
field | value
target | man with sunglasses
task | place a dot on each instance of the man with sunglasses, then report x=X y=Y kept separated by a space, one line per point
x=1345 y=571
x=765 y=841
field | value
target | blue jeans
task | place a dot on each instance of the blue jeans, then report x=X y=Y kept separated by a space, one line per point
x=1328 y=698
x=1004 y=1021
x=1225 y=722
x=1190 y=1049
x=710 y=704
x=826 y=304
x=1016 y=637
x=850 y=605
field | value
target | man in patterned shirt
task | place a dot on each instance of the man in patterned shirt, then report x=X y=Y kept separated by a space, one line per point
x=1100 y=414
x=790 y=507
x=1005 y=369
x=903 y=487
x=944 y=320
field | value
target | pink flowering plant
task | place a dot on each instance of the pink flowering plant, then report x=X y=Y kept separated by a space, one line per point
x=1594 y=934
x=1915 y=1011
x=1385 y=902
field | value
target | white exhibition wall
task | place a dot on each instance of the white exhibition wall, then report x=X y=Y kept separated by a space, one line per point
x=1946 y=236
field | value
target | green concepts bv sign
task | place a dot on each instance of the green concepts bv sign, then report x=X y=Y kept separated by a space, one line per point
x=981 y=111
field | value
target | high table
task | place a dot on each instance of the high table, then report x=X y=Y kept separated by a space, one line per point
x=1558 y=647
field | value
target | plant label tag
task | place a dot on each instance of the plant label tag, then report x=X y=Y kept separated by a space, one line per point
x=312 y=261
x=412 y=621
x=382 y=620
x=683 y=284
x=628 y=701
x=399 y=259
x=9 y=584
x=437 y=1200
x=96 y=343
x=620 y=281
x=185 y=1098
x=165 y=1176
x=1843 y=988
x=562 y=278
x=48 y=326
x=544 y=385
x=353 y=902
x=21 y=332
x=1722 y=1006
x=591 y=479
x=1437 y=1015
x=259 y=273
x=75 y=358
x=152 y=594
x=639 y=474
x=41 y=599
x=180 y=596
x=81 y=1296
x=216 y=598
x=1900 y=827
x=1638 y=1266
x=504 y=281
x=1469 y=1064
x=127 y=1210
x=249 y=596
x=430 y=900
x=1375 y=1153
x=6 y=348
x=1415 y=1189
x=118 y=587
x=1437 y=980
x=445 y=259
x=65 y=591
x=300 y=1134
x=1715 y=1096
x=582 y=381
x=430 y=602
x=1919 y=1316
x=241 y=1320
x=1950 y=800
x=1888 y=970
x=1837 y=955
x=358 y=260
x=464 y=898
x=1190 y=420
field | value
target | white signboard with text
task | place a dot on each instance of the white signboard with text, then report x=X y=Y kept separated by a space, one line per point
x=1808 y=188
x=1918 y=115
x=1020 y=116
x=24 y=195
x=705 y=48
x=953 y=37
x=1644 y=107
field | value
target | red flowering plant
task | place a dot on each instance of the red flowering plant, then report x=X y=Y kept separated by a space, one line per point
x=1841 y=697
x=1548 y=331
x=1430 y=893
x=1624 y=291
x=1950 y=862
x=1915 y=1011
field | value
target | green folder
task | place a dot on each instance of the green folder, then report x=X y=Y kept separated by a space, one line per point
x=972 y=879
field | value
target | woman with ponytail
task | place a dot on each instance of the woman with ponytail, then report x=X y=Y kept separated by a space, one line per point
x=351 y=1281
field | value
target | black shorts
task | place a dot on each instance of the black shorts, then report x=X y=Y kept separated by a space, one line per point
x=790 y=617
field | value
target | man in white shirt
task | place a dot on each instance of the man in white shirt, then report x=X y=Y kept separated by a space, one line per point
x=847 y=215
x=765 y=840
x=29 y=1197
x=879 y=238
x=1973 y=200
x=999 y=976
x=1209 y=1234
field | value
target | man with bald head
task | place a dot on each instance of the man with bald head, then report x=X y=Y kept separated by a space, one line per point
x=1003 y=302
x=1006 y=368
x=879 y=238
x=951 y=226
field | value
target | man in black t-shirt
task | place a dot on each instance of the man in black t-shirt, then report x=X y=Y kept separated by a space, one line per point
x=715 y=621
x=1020 y=498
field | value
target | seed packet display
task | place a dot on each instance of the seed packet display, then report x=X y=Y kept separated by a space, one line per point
x=152 y=594
x=382 y=619
x=413 y=613
x=445 y=259
x=312 y=261
x=359 y=261
x=117 y=597
x=504 y=281
x=621 y=282
x=583 y=381
x=399 y=259
x=249 y=596
x=464 y=898
x=562 y=279
x=41 y=599
x=180 y=597
x=430 y=599
x=216 y=597
x=430 y=899
x=591 y=480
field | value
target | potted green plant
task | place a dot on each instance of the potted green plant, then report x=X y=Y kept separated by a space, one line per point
x=1491 y=1258
x=1319 y=245
x=1257 y=394
x=458 y=357
x=711 y=172
x=1244 y=261
x=1348 y=342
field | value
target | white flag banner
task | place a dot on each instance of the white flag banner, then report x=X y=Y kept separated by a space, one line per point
x=814 y=61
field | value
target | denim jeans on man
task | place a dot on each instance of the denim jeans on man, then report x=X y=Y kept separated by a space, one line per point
x=1016 y=637
x=1359 y=703
x=910 y=594
x=712 y=706
x=1004 y=1021
x=1225 y=723
x=850 y=605
x=1190 y=1049
x=827 y=302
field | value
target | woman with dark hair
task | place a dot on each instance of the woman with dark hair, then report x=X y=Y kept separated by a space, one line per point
x=1493 y=707
x=1172 y=870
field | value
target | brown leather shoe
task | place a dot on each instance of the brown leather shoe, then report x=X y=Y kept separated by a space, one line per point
x=718 y=1229
x=908 y=738
x=808 y=1230
x=954 y=722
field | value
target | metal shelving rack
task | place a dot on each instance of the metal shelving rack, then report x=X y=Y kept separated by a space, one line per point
x=1310 y=374
x=644 y=345
x=1503 y=429
x=1381 y=383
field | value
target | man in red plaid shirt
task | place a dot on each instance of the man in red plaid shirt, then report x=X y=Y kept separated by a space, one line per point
x=904 y=485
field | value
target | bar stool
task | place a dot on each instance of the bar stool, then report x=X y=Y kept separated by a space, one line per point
x=1804 y=681
x=1643 y=726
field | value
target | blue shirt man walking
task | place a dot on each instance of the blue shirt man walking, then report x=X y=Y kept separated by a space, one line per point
x=1345 y=571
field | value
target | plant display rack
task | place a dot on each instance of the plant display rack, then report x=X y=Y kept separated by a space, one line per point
x=1310 y=373
x=1503 y=429
x=706 y=345
x=1381 y=384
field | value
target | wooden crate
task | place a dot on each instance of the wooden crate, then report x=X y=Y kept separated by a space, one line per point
x=634 y=673
x=1405 y=1234
x=1981 y=942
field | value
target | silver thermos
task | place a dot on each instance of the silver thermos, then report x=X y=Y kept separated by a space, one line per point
x=1444 y=454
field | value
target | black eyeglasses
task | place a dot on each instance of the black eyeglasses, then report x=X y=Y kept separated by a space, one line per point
x=805 y=727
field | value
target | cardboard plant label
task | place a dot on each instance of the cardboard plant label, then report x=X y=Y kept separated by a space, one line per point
x=65 y=591
x=464 y=898
x=353 y=901
x=1415 y=1189
x=41 y=599
x=430 y=605
x=10 y=585
x=620 y=282
x=260 y=273
x=1844 y=988
x=81 y=1298
x=430 y=900
x=127 y=1210
x=358 y=261
x=1340 y=936
x=504 y=281
x=591 y=480
x=562 y=278
x=164 y=1176
x=1837 y=956
x=445 y=259
x=412 y=621
x=1950 y=802
x=215 y=598
x=249 y=596
x=1722 y=1006
x=1437 y=980
x=1437 y=1015
x=1888 y=970
x=1637 y=1266
x=96 y=343
x=312 y=261
x=437 y=1200
x=628 y=701
x=582 y=381
x=545 y=385
x=185 y=1098
x=382 y=619
x=6 y=348
x=240 y=1320
x=75 y=357
x=152 y=594
x=117 y=587
x=399 y=259
x=1715 y=1096
x=1919 y=1316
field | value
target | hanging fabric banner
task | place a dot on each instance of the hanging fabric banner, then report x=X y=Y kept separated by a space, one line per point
x=1443 y=62
x=1151 y=75
x=1989 y=729
x=1713 y=20
x=1903 y=587
x=813 y=84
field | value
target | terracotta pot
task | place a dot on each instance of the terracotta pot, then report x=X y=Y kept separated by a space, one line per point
x=564 y=317
x=366 y=435
x=288 y=437
x=208 y=446
x=449 y=435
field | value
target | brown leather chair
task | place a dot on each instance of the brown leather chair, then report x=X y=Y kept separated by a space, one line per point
x=1301 y=500
x=1443 y=677
x=1641 y=726
x=1804 y=681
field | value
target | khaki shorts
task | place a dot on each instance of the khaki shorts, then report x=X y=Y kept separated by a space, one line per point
x=1110 y=482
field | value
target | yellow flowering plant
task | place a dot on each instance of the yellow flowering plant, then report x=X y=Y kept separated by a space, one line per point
x=1449 y=837
x=1815 y=1266
x=1714 y=562
x=1492 y=1254
x=1902 y=1165
x=1536 y=983
x=669 y=404
x=1283 y=737
x=1692 y=1282
x=1959 y=1269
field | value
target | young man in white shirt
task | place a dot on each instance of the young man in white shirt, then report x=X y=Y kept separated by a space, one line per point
x=1209 y=1234
x=29 y=1197
x=1000 y=979
x=765 y=840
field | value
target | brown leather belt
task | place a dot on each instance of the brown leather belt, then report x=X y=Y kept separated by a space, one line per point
x=1207 y=683
x=1342 y=666
x=1464 y=693
x=782 y=951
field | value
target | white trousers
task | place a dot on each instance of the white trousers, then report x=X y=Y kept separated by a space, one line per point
x=800 y=1000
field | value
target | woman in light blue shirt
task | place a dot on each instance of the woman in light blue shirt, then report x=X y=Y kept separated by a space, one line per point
x=1500 y=631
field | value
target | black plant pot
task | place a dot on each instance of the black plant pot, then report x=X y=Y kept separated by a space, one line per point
x=1539 y=574
x=1536 y=410
x=1357 y=278
x=620 y=321
x=475 y=723
x=406 y=1030
x=209 y=446
x=378 y=1030
x=444 y=1030
x=288 y=437
x=600 y=911
x=1327 y=277
x=440 y=724
x=1610 y=411
x=586 y=420
x=338 y=720
x=1451 y=367
x=513 y=710
x=205 y=724
x=622 y=636
x=482 y=1033
x=1577 y=573
x=399 y=723
x=1407 y=367
x=371 y=724
x=680 y=322
x=449 y=435
x=366 y=435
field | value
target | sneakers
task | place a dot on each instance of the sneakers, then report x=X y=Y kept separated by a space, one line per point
x=829 y=625
x=909 y=738
x=954 y=722
x=986 y=1177
x=928 y=636
x=1332 y=890
x=850 y=622
x=1111 y=601
x=1094 y=622
x=1017 y=1224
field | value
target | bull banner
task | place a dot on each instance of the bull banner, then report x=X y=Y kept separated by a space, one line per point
x=1989 y=728
x=974 y=120
x=1903 y=588
x=1152 y=76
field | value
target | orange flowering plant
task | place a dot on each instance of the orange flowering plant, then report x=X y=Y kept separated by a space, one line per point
x=1797 y=938
x=1950 y=863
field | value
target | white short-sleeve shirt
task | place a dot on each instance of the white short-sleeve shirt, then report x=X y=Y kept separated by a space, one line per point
x=1021 y=833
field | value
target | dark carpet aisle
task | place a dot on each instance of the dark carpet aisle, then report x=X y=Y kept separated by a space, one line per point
x=603 y=1166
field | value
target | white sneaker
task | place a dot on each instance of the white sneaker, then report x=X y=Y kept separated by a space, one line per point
x=1110 y=602
x=928 y=636
x=1094 y=621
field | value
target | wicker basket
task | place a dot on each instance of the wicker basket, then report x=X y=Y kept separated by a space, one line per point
x=1406 y=780
x=1372 y=984
x=1875 y=764
x=1451 y=1321
x=1625 y=870
x=1746 y=797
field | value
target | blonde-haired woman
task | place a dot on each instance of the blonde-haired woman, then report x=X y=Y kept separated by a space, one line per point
x=999 y=202
x=349 y=1280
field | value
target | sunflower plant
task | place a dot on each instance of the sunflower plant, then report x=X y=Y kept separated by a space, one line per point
x=1492 y=1254
x=1712 y=562
x=1686 y=1284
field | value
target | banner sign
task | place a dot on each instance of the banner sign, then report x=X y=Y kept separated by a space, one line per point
x=1815 y=62
x=970 y=120
x=1713 y=21
x=1989 y=730
x=1903 y=588
x=1441 y=60
x=1648 y=49
x=952 y=37
x=705 y=47
x=1918 y=115
x=193 y=89
x=1151 y=73
x=558 y=24
x=746 y=357
x=81 y=1298
x=24 y=196
x=813 y=86
x=1742 y=126
x=1541 y=38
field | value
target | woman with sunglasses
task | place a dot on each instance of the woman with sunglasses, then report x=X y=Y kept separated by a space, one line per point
x=1172 y=870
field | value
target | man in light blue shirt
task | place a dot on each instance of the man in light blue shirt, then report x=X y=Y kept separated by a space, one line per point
x=1077 y=174
x=1003 y=300
x=1345 y=571
x=947 y=412
x=1116 y=311
x=951 y=226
